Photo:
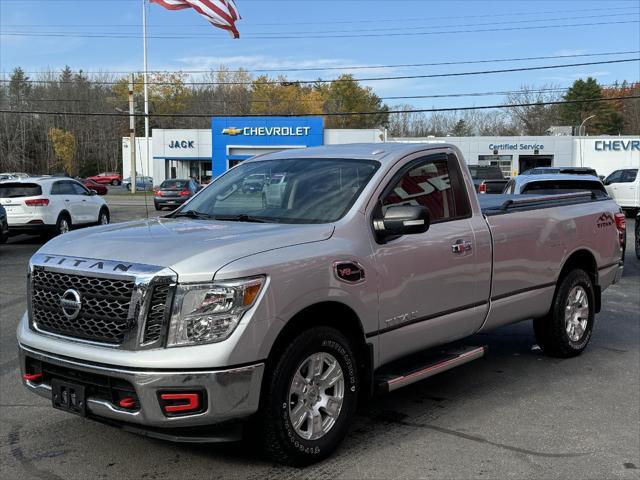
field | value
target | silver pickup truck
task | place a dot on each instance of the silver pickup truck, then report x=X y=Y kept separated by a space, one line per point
x=352 y=270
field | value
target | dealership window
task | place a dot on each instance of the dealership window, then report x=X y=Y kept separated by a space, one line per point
x=502 y=161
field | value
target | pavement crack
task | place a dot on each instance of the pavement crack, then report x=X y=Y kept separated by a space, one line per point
x=479 y=439
x=27 y=463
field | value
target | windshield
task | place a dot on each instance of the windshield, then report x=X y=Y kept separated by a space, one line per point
x=289 y=191
x=565 y=186
x=485 y=173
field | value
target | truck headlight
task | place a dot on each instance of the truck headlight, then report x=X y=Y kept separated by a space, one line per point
x=210 y=312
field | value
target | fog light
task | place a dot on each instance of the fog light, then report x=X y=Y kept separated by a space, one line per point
x=181 y=402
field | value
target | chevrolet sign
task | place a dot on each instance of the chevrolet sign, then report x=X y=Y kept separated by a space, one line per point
x=267 y=131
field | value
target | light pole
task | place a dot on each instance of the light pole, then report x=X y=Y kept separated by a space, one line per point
x=581 y=133
x=581 y=127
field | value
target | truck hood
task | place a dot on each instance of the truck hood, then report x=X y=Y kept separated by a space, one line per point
x=194 y=249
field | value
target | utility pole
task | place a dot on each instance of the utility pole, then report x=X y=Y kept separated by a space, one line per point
x=132 y=136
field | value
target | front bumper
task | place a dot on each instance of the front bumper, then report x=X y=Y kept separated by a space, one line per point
x=231 y=394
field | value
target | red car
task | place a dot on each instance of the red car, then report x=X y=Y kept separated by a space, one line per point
x=107 y=178
x=93 y=185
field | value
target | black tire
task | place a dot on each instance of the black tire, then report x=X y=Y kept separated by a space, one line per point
x=63 y=224
x=104 y=212
x=551 y=331
x=275 y=431
x=637 y=238
x=115 y=183
x=4 y=236
x=157 y=207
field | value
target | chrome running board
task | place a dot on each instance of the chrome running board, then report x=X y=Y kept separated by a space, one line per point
x=394 y=378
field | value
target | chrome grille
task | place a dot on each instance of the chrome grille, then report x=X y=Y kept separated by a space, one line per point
x=157 y=313
x=105 y=306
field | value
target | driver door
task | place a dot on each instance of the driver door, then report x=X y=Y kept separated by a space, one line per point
x=431 y=291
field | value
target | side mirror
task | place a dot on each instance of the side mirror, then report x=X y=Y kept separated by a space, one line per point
x=92 y=192
x=403 y=220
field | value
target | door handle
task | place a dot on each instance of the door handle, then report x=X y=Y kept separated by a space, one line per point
x=461 y=246
x=66 y=200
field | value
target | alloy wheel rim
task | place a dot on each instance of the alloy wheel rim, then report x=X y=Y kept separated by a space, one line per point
x=103 y=219
x=316 y=395
x=576 y=314
x=64 y=226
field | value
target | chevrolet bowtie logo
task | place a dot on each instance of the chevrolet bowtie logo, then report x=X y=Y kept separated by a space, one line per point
x=232 y=131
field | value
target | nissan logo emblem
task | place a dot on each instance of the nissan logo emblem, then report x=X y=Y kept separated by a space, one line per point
x=71 y=304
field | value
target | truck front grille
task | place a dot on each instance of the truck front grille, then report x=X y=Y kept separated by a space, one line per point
x=105 y=303
x=157 y=313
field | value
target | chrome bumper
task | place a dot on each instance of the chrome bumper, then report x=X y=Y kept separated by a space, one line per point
x=231 y=394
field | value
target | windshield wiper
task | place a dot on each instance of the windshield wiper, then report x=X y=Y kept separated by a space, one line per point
x=193 y=214
x=243 y=217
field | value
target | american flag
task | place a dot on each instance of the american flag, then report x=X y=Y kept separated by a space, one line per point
x=221 y=13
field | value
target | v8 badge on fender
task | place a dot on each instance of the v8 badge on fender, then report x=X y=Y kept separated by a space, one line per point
x=348 y=271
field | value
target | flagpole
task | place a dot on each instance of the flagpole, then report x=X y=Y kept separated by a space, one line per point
x=145 y=81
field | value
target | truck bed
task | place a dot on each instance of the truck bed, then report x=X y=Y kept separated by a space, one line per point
x=503 y=203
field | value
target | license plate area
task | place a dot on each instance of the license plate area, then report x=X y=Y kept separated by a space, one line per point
x=69 y=397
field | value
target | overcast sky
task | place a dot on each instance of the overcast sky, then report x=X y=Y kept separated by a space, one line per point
x=352 y=33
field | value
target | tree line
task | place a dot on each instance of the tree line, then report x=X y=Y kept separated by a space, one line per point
x=87 y=144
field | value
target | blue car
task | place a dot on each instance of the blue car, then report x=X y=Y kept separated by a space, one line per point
x=142 y=183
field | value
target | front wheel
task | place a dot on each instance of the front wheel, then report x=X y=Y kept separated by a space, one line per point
x=566 y=330
x=115 y=183
x=310 y=398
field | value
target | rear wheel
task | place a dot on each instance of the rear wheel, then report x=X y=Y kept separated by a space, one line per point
x=309 y=399
x=566 y=330
x=103 y=217
x=63 y=225
x=115 y=183
x=637 y=237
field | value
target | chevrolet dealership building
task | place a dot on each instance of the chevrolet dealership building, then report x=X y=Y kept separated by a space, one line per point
x=205 y=153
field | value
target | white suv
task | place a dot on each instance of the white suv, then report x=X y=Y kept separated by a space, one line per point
x=50 y=205
x=624 y=187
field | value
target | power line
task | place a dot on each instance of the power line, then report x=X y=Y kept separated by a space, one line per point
x=329 y=114
x=403 y=97
x=404 y=27
x=337 y=21
x=370 y=79
x=313 y=36
x=361 y=67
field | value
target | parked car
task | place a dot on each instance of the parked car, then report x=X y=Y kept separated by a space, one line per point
x=554 y=184
x=4 y=225
x=12 y=175
x=567 y=170
x=50 y=205
x=228 y=313
x=142 y=183
x=254 y=183
x=624 y=187
x=107 y=178
x=173 y=193
x=95 y=186
x=487 y=179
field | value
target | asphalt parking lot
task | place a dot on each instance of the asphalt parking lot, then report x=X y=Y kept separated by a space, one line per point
x=513 y=414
